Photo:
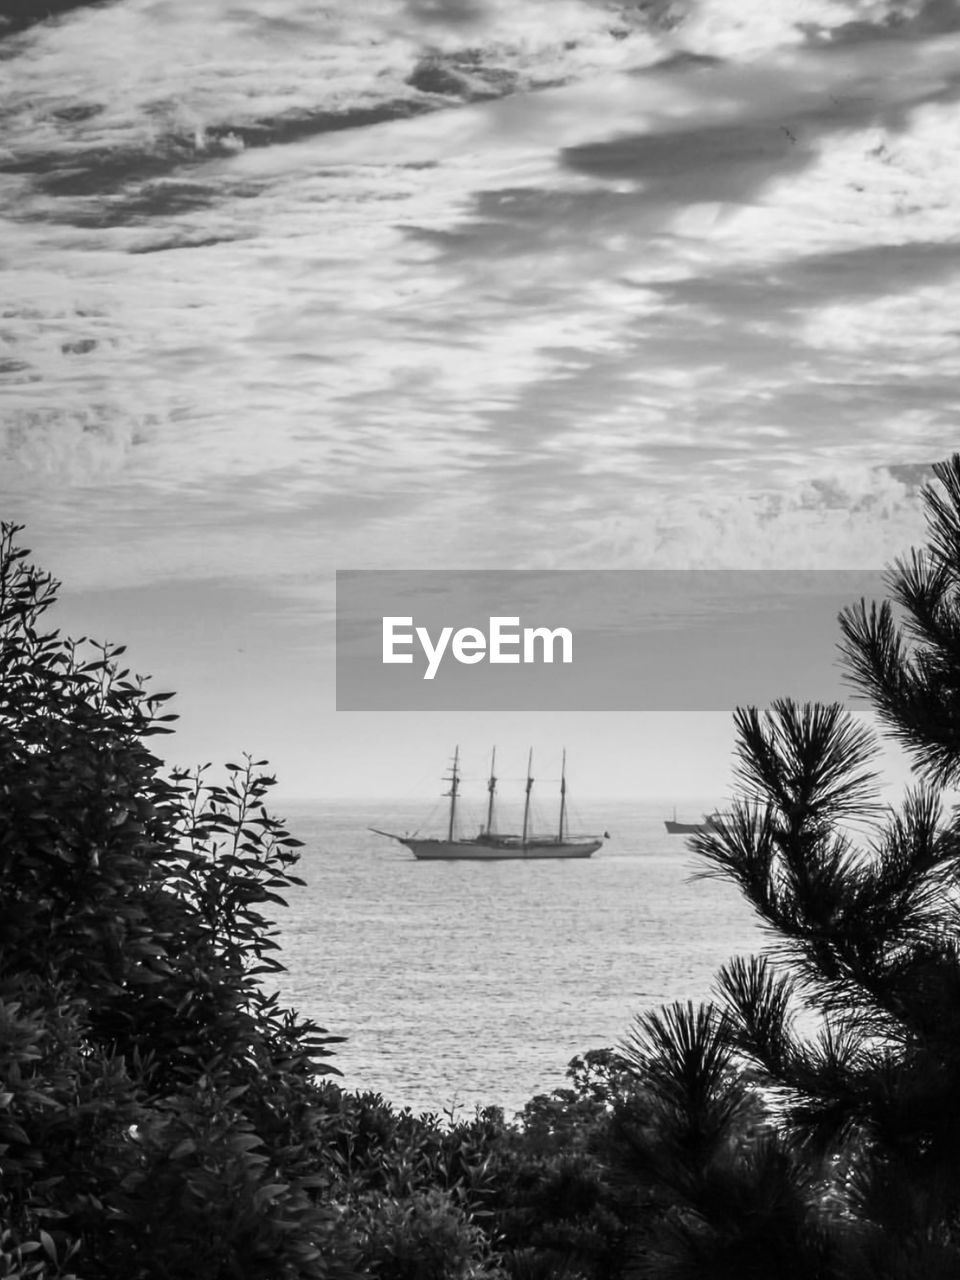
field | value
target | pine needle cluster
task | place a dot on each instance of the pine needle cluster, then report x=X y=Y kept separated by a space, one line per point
x=807 y=1120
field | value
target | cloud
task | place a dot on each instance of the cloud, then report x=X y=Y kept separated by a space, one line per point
x=731 y=29
x=447 y=13
x=687 y=316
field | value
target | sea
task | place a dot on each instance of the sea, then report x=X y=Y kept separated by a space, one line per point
x=463 y=984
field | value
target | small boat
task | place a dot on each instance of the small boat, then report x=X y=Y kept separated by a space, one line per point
x=490 y=845
x=675 y=828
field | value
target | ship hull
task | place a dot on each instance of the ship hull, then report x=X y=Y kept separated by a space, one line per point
x=494 y=851
x=675 y=828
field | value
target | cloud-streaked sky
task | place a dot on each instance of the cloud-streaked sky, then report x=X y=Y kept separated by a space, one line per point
x=462 y=283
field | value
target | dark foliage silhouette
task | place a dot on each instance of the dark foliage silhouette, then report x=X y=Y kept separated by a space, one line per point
x=847 y=1027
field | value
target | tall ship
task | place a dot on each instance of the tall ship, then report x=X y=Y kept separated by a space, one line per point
x=491 y=845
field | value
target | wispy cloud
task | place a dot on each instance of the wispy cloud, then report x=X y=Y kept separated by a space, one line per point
x=664 y=312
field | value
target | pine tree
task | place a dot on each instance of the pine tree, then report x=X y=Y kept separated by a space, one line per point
x=847 y=1027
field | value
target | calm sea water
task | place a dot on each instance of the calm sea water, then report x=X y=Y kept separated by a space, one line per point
x=463 y=983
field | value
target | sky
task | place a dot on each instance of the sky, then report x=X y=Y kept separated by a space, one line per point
x=464 y=284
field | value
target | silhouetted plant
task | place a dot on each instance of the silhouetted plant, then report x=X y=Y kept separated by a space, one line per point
x=154 y=1101
x=161 y=1115
x=850 y=1021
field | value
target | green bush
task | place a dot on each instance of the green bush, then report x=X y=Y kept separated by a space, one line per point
x=154 y=1102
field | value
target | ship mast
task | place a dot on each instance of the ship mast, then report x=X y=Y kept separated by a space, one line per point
x=491 y=787
x=452 y=793
x=526 y=805
x=563 y=795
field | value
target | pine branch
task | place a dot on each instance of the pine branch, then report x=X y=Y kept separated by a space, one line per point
x=760 y=1002
x=911 y=670
x=943 y=514
x=809 y=761
x=741 y=846
x=682 y=1054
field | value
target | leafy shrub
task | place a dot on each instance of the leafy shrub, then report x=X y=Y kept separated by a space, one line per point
x=154 y=1102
